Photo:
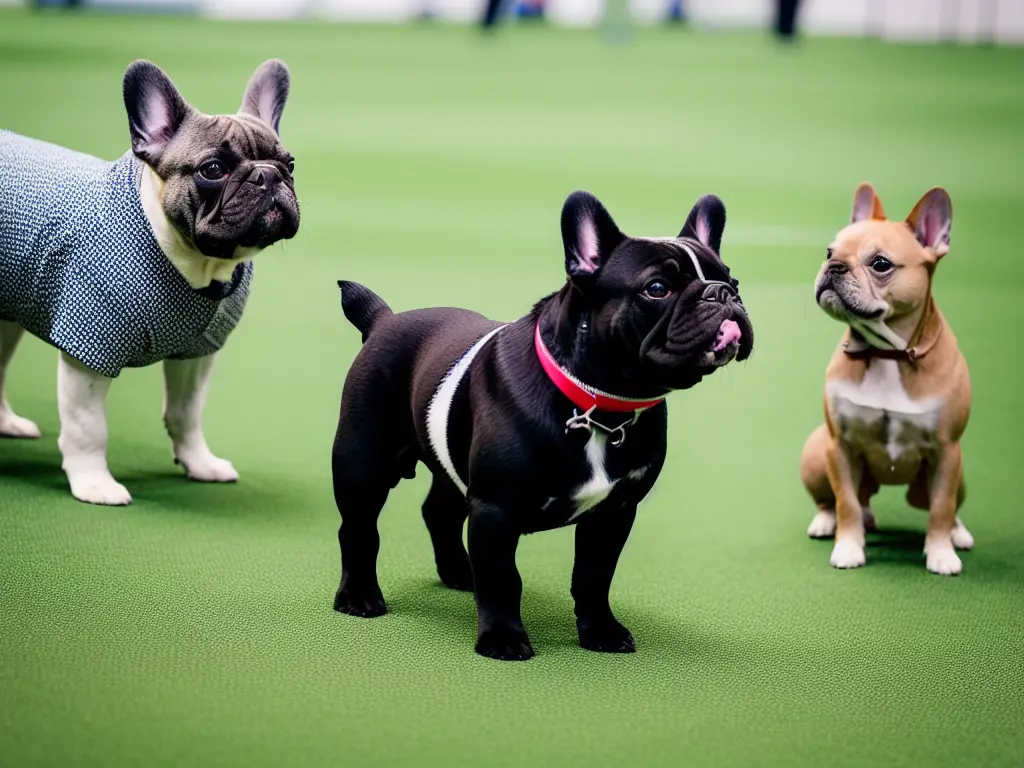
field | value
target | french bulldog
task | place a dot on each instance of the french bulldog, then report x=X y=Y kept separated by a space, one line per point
x=897 y=391
x=557 y=418
x=145 y=259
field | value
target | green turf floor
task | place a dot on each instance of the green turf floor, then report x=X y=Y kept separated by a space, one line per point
x=195 y=627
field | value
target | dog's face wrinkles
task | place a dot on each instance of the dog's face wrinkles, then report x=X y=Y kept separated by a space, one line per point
x=671 y=315
x=878 y=272
x=227 y=183
x=666 y=310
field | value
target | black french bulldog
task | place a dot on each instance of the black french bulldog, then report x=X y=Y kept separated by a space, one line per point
x=516 y=423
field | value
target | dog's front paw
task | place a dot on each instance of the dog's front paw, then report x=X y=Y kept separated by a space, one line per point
x=823 y=526
x=847 y=554
x=504 y=644
x=99 y=488
x=365 y=605
x=12 y=425
x=609 y=637
x=207 y=468
x=962 y=538
x=943 y=560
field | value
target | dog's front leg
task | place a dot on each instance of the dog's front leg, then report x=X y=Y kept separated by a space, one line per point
x=11 y=424
x=943 y=487
x=844 y=474
x=185 y=385
x=82 y=403
x=599 y=542
x=498 y=588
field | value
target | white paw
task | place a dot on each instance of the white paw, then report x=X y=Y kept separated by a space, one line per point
x=962 y=538
x=99 y=488
x=15 y=426
x=209 y=469
x=943 y=561
x=823 y=526
x=870 y=524
x=847 y=554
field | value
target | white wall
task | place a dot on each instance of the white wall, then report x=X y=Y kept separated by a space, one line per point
x=965 y=21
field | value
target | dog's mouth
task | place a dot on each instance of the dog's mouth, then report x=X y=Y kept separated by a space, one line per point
x=726 y=345
x=837 y=305
x=681 y=363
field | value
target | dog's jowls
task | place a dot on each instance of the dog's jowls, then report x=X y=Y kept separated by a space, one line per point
x=897 y=391
x=142 y=260
x=499 y=414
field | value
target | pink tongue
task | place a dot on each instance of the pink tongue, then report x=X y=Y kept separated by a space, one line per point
x=727 y=334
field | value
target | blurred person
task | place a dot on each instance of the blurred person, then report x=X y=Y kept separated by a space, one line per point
x=676 y=12
x=523 y=9
x=785 y=19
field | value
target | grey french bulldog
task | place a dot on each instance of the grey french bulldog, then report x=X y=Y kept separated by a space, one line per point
x=142 y=260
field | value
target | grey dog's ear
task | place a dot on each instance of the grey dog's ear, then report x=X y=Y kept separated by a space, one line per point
x=155 y=109
x=267 y=93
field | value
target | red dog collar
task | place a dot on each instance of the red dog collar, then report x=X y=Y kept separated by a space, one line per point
x=581 y=395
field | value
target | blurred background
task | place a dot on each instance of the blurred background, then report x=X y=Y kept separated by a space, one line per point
x=432 y=159
x=923 y=20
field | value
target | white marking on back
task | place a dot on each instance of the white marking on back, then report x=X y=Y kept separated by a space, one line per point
x=879 y=394
x=597 y=488
x=441 y=405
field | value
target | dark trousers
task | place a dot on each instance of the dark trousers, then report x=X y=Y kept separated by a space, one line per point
x=785 y=21
x=491 y=12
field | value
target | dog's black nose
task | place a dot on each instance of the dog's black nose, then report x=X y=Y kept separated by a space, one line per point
x=836 y=268
x=720 y=292
x=264 y=177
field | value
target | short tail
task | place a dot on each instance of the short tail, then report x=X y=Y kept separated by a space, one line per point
x=361 y=306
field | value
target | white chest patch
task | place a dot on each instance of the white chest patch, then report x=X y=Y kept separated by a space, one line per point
x=597 y=488
x=879 y=396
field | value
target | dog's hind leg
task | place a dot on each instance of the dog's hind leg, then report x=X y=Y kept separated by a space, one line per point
x=11 y=424
x=370 y=456
x=445 y=512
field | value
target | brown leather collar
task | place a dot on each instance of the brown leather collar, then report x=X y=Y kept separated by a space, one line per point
x=910 y=354
x=914 y=352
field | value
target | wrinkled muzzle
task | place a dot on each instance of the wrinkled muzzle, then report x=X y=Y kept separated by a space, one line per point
x=254 y=209
x=707 y=328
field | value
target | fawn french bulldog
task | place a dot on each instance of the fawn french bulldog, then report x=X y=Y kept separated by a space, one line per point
x=897 y=391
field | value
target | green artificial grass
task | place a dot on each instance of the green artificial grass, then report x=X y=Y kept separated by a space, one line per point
x=195 y=627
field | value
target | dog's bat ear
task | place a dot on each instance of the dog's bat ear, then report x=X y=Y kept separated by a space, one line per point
x=706 y=222
x=866 y=204
x=155 y=109
x=267 y=93
x=931 y=221
x=588 y=233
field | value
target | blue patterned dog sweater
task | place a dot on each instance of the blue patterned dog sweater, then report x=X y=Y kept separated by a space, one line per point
x=81 y=269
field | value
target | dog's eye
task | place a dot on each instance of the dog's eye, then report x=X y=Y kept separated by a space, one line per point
x=880 y=264
x=291 y=166
x=828 y=254
x=656 y=289
x=213 y=170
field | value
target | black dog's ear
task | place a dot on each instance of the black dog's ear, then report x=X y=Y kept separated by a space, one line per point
x=155 y=109
x=588 y=233
x=267 y=93
x=706 y=222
